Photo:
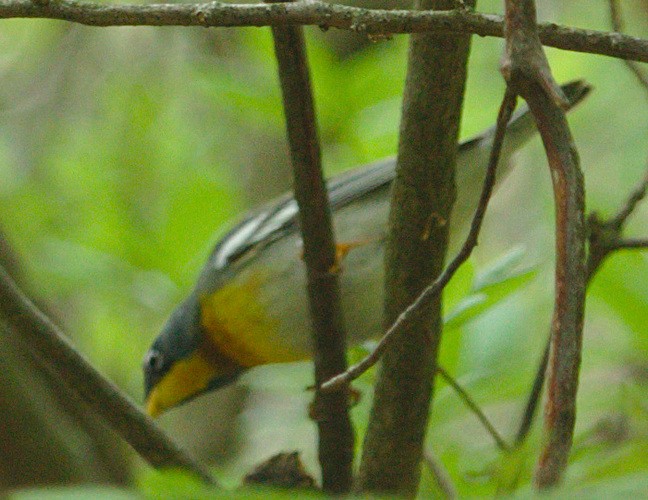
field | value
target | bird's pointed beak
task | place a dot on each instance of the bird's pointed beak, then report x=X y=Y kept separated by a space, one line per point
x=186 y=379
x=153 y=407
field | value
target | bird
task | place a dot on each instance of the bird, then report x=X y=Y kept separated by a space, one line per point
x=249 y=306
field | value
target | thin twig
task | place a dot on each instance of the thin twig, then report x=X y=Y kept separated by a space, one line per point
x=534 y=396
x=317 y=13
x=440 y=473
x=343 y=379
x=606 y=236
x=617 y=25
x=527 y=71
x=638 y=194
x=470 y=403
x=632 y=244
x=331 y=410
x=58 y=356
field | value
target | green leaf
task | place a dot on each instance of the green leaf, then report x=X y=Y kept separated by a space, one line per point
x=622 y=284
x=177 y=484
x=82 y=492
x=501 y=270
x=496 y=283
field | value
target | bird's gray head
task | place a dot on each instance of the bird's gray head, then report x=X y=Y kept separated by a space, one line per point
x=182 y=364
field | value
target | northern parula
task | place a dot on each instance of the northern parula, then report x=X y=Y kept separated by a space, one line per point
x=250 y=307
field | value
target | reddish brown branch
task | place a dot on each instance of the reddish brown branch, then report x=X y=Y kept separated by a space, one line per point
x=331 y=409
x=605 y=237
x=526 y=70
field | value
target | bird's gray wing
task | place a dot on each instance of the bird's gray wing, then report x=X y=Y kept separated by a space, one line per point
x=279 y=217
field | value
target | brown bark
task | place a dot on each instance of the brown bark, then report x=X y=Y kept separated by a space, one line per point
x=330 y=409
x=422 y=199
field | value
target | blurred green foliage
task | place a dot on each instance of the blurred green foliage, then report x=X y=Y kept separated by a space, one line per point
x=124 y=152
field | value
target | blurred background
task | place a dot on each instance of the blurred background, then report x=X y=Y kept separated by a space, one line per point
x=126 y=152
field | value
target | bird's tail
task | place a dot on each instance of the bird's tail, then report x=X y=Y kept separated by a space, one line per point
x=522 y=125
x=472 y=158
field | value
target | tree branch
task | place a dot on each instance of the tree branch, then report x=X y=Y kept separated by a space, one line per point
x=527 y=71
x=59 y=357
x=331 y=409
x=430 y=295
x=533 y=399
x=422 y=194
x=606 y=237
x=325 y=15
x=632 y=244
x=443 y=479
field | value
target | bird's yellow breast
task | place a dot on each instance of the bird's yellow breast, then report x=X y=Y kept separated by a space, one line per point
x=239 y=324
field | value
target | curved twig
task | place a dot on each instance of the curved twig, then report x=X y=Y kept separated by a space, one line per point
x=527 y=71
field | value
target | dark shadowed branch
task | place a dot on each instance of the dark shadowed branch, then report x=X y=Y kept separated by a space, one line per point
x=527 y=71
x=606 y=237
x=59 y=357
x=440 y=474
x=368 y=21
x=330 y=409
x=468 y=401
x=533 y=399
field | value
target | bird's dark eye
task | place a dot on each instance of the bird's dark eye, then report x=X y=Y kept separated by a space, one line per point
x=153 y=361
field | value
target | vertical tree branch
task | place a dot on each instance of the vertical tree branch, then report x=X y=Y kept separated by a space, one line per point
x=422 y=199
x=527 y=71
x=331 y=409
x=605 y=238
